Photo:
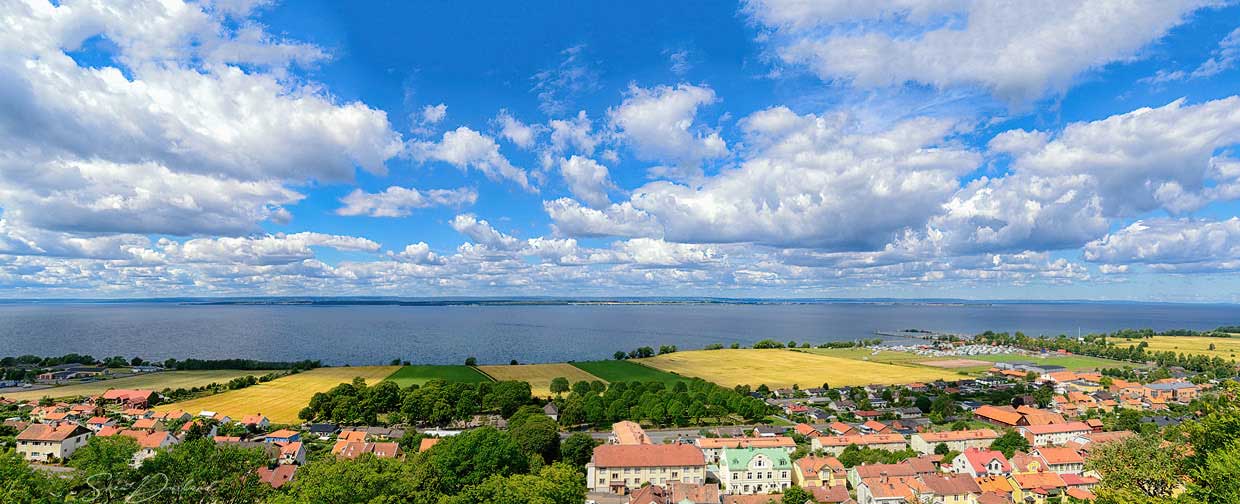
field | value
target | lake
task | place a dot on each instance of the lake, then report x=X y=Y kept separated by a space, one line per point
x=529 y=333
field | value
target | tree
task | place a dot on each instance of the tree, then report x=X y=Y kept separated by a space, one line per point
x=554 y=484
x=537 y=434
x=21 y=483
x=559 y=385
x=219 y=473
x=620 y=355
x=923 y=403
x=470 y=457
x=1136 y=469
x=1009 y=443
x=105 y=463
x=941 y=449
x=471 y=361
x=578 y=448
x=1218 y=479
x=796 y=495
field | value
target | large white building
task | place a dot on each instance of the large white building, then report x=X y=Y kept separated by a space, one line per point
x=754 y=470
x=47 y=443
x=618 y=468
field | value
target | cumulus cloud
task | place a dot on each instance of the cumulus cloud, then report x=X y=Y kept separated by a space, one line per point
x=587 y=179
x=262 y=250
x=433 y=114
x=573 y=134
x=658 y=125
x=418 y=253
x=466 y=149
x=1176 y=245
x=396 y=201
x=482 y=233
x=571 y=218
x=1019 y=51
x=520 y=134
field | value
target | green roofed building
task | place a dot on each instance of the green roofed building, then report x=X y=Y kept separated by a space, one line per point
x=749 y=471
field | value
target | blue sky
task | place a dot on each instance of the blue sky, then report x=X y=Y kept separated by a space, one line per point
x=762 y=148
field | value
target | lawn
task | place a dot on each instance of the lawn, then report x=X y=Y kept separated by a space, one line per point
x=154 y=381
x=281 y=399
x=410 y=375
x=539 y=376
x=783 y=368
x=627 y=371
x=1225 y=348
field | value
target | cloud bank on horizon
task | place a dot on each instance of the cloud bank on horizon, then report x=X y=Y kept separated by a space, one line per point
x=954 y=148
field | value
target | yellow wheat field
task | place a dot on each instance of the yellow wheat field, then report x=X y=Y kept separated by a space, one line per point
x=539 y=376
x=783 y=368
x=152 y=381
x=1225 y=348
x=281 y=399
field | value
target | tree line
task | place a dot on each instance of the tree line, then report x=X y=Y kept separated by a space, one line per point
x=436 y=402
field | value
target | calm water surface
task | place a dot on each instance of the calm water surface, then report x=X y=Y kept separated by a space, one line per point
x=495 y=334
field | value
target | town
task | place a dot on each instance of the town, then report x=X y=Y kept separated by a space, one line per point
x=1020 y=431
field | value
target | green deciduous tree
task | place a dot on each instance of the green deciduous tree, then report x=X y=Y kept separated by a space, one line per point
x=1009 y=443
x=1136 y=469
x=578 y=448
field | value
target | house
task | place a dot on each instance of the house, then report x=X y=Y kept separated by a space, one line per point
x=427 y=443
x=1002 y=416
x=979 y=462
x=292 y=453
x=172 y=415
x=321 y=430
x=769 y=431
x=283 y=436
x=277 y=477
x=99 y=422
x=1061 y=460
x=1054 y=434
x=925 y=442
x=1036 y=488
x=617 y=468
x=628 y=433
x=841 y=429
x=944 y=489
x=831 y=495
x=218 y=417
x=133 y=398
x=910 y=468
x=754 y=470
x=146 y=424
x=1035 y=416
x=834 y=445
x=353 y=449
x=137 y=413
x=712 y=448
x=815 y=471
x=552 y=411
x=149 y=443
x=676 y=493
x=874 y=427
x=888 y=490
x=256 y=421
x=806 y=430
x=212 y=429
x=1171 y=390
x=47 y=443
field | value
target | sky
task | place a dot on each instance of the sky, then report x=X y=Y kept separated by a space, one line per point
x=1063 y=149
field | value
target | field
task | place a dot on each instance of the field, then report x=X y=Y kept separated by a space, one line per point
x=1071 y=362
x=1224 y=348
x=410 y=375
x=625 y=371
x=154 y=381
x=783 y=368
x=955 y=363
x=539 y=376
x=282 y=398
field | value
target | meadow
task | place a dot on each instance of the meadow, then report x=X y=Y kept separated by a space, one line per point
x=1224 y=348
x=783 y=368
x=281 y=399
x=539 y=376
x=420 y=374
x=626 y=371
x=154 y=381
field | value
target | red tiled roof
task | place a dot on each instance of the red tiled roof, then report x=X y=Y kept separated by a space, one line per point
x=959 y=484
x=277 y=477
x=648 y=456
x=128 y=395
x=1002 y=414
x=1057 y=428
x=861 y=439
x=1042 y=480
x=1055 y=456
x=427 y=443
x=979 y=458
x=45 y=432
x=962 y=435
x=812 y=464
x=747 y=442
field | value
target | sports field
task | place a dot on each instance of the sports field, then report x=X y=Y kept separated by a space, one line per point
x=282 y=398
x=783 y=368
x=153 y=381
x=539 y=376
x=626 y=371
x=419 y=374
x=1224 y=348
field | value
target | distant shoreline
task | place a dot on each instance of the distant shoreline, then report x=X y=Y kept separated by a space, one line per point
x=573 y=301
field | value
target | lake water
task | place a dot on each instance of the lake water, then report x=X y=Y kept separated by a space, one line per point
x=495 y=334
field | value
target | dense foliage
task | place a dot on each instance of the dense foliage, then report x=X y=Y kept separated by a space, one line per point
x=690 y=402
x=436 y=403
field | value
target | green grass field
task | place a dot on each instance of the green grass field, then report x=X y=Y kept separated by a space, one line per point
x=282 y=398
x=154 y=381
x=625 y=371
x=419 y=374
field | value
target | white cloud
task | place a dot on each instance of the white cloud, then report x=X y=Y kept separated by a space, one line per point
x=1176 y=245
x=573 y=133
x=679 y=61
x=396 y=201
x=520 y=134
x=658 y=124
x=418 y=253
x=559 y=87
x=570 y=218
x=261 y=250
x=588 y=180
x=465 y=148
x=1225 y=57
x=433 y=114
x=482 y=233
x=1018 y=50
